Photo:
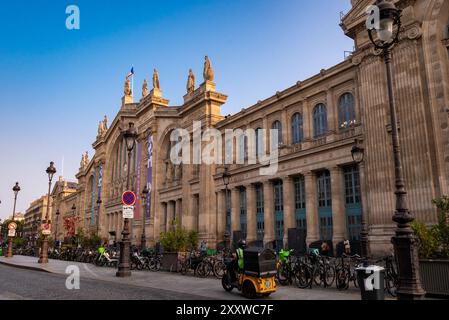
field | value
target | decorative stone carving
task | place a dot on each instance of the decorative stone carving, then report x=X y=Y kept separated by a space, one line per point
x=170 y=172
x=191 y=82
x=105 y=123
x=208 y=72
x=145 y=88
x=127 y=89
x=156 y=84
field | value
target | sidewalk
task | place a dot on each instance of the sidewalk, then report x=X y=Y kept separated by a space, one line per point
x=209 y=288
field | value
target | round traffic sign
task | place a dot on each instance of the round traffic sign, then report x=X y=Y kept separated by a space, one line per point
x=128 y=198
x=12 y=226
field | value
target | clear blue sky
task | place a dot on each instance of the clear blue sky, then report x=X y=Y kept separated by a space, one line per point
x=57 y=84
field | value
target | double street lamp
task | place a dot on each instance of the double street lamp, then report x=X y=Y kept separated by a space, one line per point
x=43 y=258
x=404 y=241
x=143 y=240
x=16 y=190
x=130 y=136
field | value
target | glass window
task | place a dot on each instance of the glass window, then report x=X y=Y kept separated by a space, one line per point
x=278 y=196
x=278 y=126
x=352 y=185
x=346 y=111
x=320 y=120
x=297 y=132
x=324 y=189
x=300 y=194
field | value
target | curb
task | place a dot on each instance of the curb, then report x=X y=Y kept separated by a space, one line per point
x=24 y=267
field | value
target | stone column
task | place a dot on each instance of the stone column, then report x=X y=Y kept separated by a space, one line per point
x=251 y=227
x=268 y=209
x=289 y=207
x=221 y=215
x=307 y=120
x=178 y=211
x=193 y=214
x=170 y=215
x=338 y=208
x=311 y=207
x=235 y=210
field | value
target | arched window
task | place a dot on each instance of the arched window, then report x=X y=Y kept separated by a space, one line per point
x=297 y=133
x=319 y=120
x=346 y=111
x=277 y=125
x=260 y=144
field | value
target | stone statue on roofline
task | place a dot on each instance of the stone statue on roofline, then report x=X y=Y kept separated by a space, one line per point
x=191 y=82
x=208 y=72
x=127 y=89
x=145 y=88
x=156 y=84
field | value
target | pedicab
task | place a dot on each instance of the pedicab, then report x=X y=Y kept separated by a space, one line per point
x=258 y=276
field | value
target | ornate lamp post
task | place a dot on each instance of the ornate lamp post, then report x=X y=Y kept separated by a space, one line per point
x=143 y=240
x=57 y=223
x=130 y=136
x=51 y=170
x=358 y=154
x=98 y=216
x=226 y=177
x=16 y=190
x=404 y=241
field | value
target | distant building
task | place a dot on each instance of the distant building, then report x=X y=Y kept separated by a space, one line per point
x=34 y=215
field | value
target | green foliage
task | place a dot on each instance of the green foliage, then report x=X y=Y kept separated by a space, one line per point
x=18 y=242
x=179 y=240
x=428 y=239
x=434 y=241
x=443 y=224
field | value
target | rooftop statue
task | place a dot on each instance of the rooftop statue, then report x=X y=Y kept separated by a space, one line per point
x=127 y=90
x=191 y=82
x=156 y=84
x=145 y=88
x=208 y=73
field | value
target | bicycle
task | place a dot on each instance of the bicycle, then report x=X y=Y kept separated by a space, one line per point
x=345 y=271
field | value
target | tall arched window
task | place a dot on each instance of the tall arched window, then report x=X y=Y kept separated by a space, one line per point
x=319 y=120
x=277 y=125
x=260 y=146
x=297 y=133
x=346 y=111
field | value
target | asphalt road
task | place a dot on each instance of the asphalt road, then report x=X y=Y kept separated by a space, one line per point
x=20 y=284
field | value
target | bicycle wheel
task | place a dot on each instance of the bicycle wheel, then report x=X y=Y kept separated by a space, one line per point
x=303 y=276
x=184 y=268
x=219 y=269
x=329 y=275
x=342 y=278
x=282 y=275
x=391 y=284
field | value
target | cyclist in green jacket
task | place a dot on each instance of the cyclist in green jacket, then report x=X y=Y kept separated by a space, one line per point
x=238 y=259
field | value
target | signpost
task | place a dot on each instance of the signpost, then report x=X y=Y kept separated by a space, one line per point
x=128 y=212
x=12 y=226
x=46 y=229
x=128 y=199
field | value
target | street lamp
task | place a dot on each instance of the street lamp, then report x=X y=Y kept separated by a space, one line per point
x=57 y=223
x=226 y=176
x=358 y=154
x=51 y=170
x=143 y=241
x=130 y=136
x=16 y=190
x=404 y=241
x=98 y=216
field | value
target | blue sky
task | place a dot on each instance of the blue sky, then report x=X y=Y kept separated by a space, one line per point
x=57 y=84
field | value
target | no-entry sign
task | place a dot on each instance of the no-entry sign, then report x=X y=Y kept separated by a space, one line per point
x=128 y=198
x=12 y=226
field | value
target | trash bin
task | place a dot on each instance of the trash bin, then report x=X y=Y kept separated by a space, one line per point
x=371 y=280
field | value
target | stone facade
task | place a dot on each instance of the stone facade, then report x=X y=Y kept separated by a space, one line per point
x=34 y=215
x=318 y=188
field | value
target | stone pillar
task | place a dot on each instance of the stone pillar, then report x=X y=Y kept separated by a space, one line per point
x=178 y=211
x=235 y=210
x=289 y=207
x=338 y=208
x=221 y=215
x=307 y=120
x=170 y=215
x=268 y=209
x=194 y=212
x=251 y=227
x=311 y=207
